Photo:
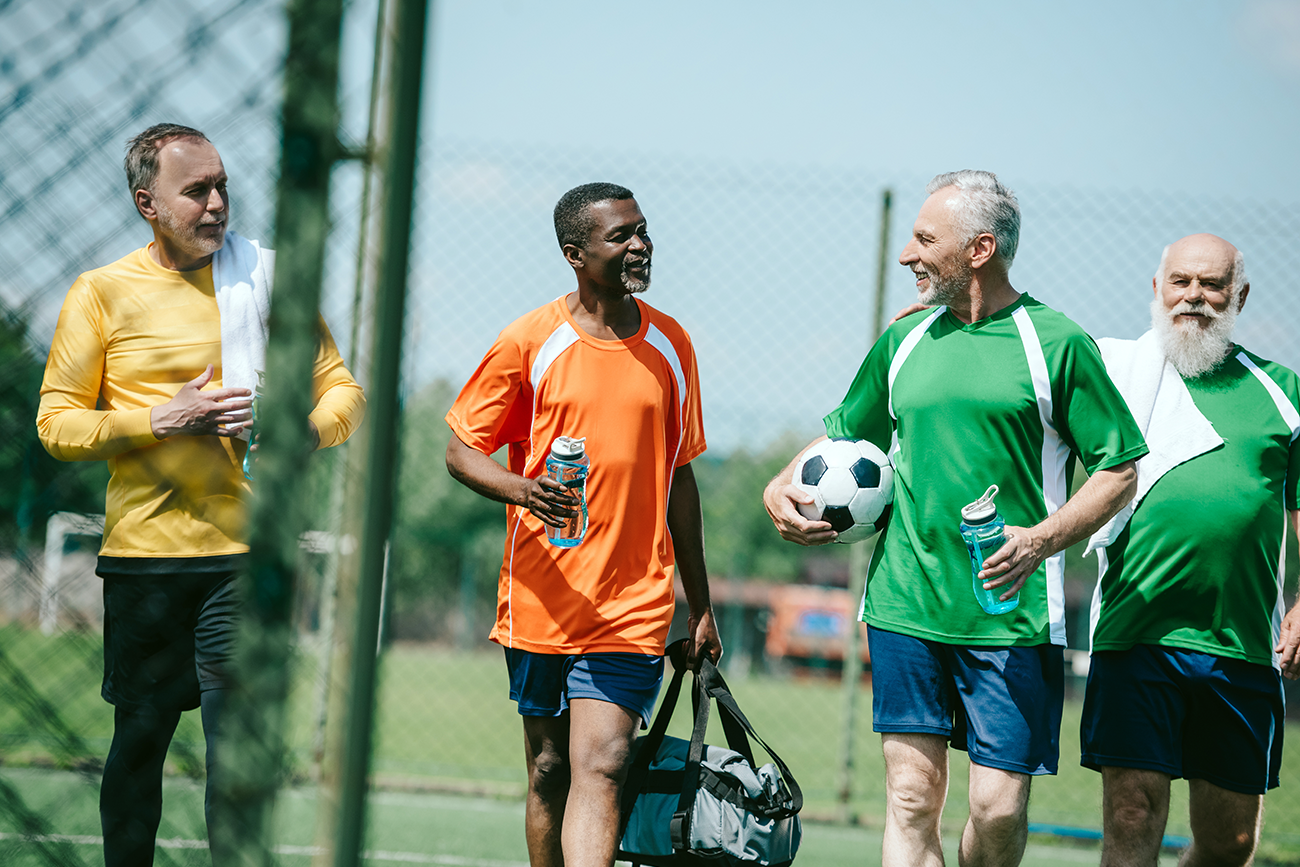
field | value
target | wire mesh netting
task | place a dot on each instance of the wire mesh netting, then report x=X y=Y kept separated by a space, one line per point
x=770 y=268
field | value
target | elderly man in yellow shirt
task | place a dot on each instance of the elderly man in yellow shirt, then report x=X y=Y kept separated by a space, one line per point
x=134 y=377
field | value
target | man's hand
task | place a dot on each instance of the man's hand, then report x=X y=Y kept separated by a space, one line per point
x=703 y=630
x=1104 y=494
x=193 y=412
x=549 y=500
x=781 y=500
x=1013 y=563
x=914 y=307
x=1288 y=645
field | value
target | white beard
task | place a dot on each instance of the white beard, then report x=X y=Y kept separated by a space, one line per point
x=1194 y=351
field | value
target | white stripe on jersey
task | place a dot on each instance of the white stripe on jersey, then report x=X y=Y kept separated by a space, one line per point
x=1289 y=414
x=561 y=339
x=1292 y=420
x=1094 y=610
x=905 y=349
x=1056 y=457
x=660 y=341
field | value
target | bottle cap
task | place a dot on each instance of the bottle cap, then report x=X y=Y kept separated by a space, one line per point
x=568 y=448
x=982 y=510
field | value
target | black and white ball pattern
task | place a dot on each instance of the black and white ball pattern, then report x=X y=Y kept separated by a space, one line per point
x=852 y=484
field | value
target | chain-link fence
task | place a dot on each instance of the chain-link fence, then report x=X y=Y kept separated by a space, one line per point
x=771 y=269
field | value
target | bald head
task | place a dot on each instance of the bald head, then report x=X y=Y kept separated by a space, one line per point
x=1203 y=253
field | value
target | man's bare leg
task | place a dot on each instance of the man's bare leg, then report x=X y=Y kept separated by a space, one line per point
x=998 y=826
x=546 y=749
x=601 y=735
x=1134 y=812
x=1225 y=826
x=916 y=786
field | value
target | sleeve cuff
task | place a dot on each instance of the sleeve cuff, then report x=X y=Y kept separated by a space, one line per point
x=135 y=427
x=326 y=426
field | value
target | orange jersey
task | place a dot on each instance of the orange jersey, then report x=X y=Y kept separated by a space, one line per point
x=637 y=401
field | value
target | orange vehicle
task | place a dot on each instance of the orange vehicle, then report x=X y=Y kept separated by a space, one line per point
x=809 y=623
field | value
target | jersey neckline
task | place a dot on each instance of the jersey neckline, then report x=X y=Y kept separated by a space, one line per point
x=1005 y=313
x=615 y=345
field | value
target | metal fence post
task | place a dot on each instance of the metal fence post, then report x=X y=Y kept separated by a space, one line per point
x=347 y=763
x=251 y=750
x=859 y=558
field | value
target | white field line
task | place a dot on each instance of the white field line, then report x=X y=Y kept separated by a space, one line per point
x=375 y=855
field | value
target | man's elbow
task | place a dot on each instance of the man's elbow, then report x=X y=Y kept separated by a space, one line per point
x=1127 y=480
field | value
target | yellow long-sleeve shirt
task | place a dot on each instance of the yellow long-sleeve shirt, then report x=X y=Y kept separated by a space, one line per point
x=129 y=336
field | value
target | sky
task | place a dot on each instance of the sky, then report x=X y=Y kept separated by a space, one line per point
x=1180 y=97
x=758 y=137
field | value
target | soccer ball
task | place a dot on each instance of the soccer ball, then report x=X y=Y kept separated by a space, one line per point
x=852 y=485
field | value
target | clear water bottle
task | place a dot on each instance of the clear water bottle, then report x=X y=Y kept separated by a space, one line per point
x=252 y=431
x=982 y=528
x=568 y=464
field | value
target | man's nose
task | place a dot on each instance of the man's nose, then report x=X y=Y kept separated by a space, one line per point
x=216 y=201
x=639 y=242
x=908 y=254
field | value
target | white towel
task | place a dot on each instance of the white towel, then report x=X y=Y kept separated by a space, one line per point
x=241 y=274
x=1175 y=430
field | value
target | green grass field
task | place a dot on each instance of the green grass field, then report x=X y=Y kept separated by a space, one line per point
x=448 y=763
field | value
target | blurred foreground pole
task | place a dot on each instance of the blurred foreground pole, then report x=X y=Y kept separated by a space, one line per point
x=251 y=750
x=859 y=559
x=348 y=745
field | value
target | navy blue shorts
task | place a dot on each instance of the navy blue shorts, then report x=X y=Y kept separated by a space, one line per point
x=1186 y=714
x=543 y=684
x=1002 y=705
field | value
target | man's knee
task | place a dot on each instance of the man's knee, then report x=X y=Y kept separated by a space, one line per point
x=1226 y=846
x=999 y=802
x=549 y=774
x=998 y=812
x=1135 y=814
x=607 y=758
x=916 y=794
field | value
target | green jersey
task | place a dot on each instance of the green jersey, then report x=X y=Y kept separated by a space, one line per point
x=1199 y=564
x=1003 y=401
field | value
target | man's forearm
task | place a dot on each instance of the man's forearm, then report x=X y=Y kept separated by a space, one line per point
x=482 y=475
x=686 y=524
x=1100 y=498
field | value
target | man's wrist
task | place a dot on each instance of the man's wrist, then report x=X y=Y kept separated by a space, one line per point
x=158 y=426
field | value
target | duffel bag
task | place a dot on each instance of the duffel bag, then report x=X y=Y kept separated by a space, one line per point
x=685 y=802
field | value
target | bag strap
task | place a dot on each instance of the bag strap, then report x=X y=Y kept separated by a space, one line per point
x=648 y=747
x=709 y=687
x=679 y=825
x=729 y=710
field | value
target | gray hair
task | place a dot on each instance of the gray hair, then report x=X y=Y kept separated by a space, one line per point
x=1238 y=269
x=141 y=161
x=983 y=205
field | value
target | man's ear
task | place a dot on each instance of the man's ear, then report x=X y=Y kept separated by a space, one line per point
x=574 y=254
x=1241 y=299
x=145 y=205
x=982 y=249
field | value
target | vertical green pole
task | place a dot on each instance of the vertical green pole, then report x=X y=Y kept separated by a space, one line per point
x=859 y=558
x=381 y=440
x=251 y=751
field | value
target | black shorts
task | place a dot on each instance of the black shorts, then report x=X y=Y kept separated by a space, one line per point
x=167 y=637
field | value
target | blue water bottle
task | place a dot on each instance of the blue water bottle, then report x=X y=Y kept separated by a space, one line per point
x=982 y=528
x=568 y=464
